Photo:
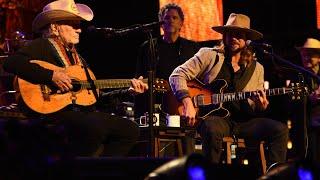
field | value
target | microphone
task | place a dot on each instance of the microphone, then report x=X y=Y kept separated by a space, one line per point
x=103 y=29
x=124 y=31
x=138 y=27
x=153 y=24
x=256 y=44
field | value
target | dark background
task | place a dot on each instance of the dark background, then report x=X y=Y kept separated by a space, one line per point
x=285 y=24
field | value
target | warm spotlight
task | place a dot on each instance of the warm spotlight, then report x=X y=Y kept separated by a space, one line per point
x=289 y=124
x=289 y=144
x=245 y=162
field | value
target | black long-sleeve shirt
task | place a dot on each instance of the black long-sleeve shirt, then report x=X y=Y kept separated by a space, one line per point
x=41 y=49
x=168 y=57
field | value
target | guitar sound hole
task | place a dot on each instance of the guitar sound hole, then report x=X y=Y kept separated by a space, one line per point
x=76 y=85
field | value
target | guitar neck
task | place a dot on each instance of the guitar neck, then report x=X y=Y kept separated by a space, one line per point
x=107 y=83
x=225 y=97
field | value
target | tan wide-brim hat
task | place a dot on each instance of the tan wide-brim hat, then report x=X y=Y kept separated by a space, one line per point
x=239 y=22
x=311 y=45
x=61 y=10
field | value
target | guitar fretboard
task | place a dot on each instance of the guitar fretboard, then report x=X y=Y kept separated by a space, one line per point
x=159 y=85
x=107 y=83
x=225 y=97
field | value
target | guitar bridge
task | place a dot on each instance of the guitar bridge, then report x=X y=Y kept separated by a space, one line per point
x=45 y=92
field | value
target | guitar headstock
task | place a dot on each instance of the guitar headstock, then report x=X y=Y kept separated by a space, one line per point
x=298 y=91
x=161 y=85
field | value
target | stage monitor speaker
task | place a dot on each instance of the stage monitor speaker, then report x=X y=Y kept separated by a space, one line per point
x=116 y=168
x=196 y=166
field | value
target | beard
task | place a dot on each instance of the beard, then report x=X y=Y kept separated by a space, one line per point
x=235 y=50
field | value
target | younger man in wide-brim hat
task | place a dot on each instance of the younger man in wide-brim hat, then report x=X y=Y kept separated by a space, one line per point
x=233 y=66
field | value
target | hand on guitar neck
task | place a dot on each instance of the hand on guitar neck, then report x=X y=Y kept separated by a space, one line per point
x=61 y=79
x=137 y=86
x=260 y=100
x=189 y=112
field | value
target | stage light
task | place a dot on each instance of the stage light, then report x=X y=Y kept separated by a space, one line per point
x=199 y=18
x=245 y=162
x=196 y=173
x=289 y=144
x=305 y=174
x=289 y=124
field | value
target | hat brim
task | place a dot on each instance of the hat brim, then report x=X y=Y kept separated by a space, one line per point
x=47 y=17
x=250 y=33
x=310 y=50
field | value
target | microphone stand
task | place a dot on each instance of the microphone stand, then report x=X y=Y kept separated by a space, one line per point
x=111 y=32
x=296 y=67
x=304 y=100
x=151 y=70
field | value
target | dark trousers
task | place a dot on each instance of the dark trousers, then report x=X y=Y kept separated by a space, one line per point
x=87 y=131
x=274 y=133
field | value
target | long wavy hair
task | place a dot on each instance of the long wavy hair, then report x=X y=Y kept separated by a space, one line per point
x=247 y=54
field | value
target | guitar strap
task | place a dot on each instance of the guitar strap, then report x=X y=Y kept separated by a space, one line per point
x=92 y=85
x=61 y=53
x=77 y=59
x=245 y=77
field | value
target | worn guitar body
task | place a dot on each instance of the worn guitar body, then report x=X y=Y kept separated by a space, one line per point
x=47 y=99
x=44 y=99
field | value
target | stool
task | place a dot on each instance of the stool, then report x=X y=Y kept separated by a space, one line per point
x=241 y=144
x=168 y=135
